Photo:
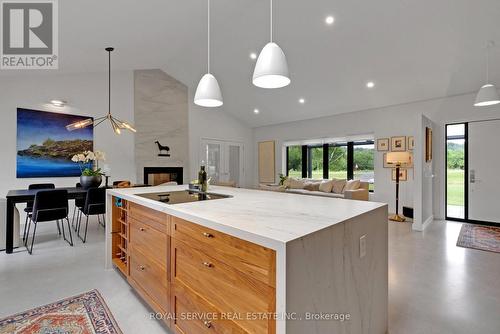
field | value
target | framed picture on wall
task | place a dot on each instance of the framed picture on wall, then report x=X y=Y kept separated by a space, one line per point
x=403 y=175
x=411 y=143
x=383 y=144
x=428 y=144
x=45 y=146
x=389 y=165
x=398 y=144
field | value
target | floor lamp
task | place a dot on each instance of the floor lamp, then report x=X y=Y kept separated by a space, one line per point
x=398 y=159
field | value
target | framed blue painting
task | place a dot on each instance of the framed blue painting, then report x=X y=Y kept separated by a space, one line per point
x=45 y=146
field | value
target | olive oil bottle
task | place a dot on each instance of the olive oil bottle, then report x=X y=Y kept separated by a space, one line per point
x=202 y=179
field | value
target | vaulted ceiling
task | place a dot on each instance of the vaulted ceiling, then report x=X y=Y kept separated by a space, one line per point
x=412 y=49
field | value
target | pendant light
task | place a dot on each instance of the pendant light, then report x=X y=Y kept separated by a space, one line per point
x=487 y=95
x=116 y=124
x=208 y=93
x=271 y=69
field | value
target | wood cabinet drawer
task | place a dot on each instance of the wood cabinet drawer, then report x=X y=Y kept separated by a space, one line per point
x=251 y=259
x=226 y=288
x=151 y=242
x=153 y=218
x=151 y=277
x=193 y=315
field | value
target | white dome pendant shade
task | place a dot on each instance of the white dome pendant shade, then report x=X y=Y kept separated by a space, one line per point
x=208 y=93
x=271 y=69
x=488 y=94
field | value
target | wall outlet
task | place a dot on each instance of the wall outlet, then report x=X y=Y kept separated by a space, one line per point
x=362 y=246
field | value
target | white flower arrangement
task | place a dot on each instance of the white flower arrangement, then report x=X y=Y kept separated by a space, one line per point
x=88 y=156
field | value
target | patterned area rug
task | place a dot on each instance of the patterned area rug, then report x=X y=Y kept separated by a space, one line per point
x=83 y=314
x=480 y=237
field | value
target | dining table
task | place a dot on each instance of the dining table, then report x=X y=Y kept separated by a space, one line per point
x=24 y=196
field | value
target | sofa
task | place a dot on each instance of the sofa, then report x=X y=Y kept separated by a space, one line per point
x=335 y=188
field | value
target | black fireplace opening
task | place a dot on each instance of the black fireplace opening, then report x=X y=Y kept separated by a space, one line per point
x=154 y=176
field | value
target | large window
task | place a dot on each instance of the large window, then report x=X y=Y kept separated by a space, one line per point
x=294 y=161
x=363 y=156
x=342 y=160
x=337 y=161
x=315 y=162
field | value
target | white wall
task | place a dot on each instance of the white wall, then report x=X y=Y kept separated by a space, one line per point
x=214 y=123
x=424 y=178
x=86 y=94
x=404 y=119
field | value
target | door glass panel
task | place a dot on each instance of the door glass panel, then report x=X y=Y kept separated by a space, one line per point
x=455 y=171
x=294 y=163
x=337 y=161
x=315 y=162
x=234 y=164
x=363 y=163
x=213 y=162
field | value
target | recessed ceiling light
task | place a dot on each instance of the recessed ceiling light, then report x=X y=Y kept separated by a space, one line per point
x=253 y=56
x=58 y=103
x=329 y=20
x=256 y=111
x=370 y=84
x=302 y=100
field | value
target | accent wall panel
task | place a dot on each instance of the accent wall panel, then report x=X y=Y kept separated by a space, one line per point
x=267 y=168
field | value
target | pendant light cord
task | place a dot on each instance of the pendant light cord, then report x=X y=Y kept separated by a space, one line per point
x=271 y=21
x=208 y=37
x=109 y=82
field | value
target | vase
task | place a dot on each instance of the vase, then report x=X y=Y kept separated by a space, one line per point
x=90 y=181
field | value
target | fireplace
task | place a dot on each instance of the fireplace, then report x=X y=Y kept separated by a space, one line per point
x=158 y=175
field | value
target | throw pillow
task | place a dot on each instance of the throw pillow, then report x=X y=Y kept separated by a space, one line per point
x=338 y=186
x=326 y=186
x=286 y=182
x=312 y=186
x=296 y=184
x=352 y=185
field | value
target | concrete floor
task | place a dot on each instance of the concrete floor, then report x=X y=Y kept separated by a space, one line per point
x=56 y=271
x=434 y=286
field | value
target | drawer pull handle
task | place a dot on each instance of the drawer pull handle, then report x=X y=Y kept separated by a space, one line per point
x=142 y=268
x=208 y=235
x=207 y=324
x=208 y=264
x=142 y=229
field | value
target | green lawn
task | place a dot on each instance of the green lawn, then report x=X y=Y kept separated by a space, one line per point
x=455 y=187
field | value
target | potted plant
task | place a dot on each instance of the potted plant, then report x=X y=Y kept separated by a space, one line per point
x=91 y=176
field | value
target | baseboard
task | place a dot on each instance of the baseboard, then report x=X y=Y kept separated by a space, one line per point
x=423 y=226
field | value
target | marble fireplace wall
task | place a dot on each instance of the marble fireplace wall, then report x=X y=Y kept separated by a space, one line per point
x=160 y=114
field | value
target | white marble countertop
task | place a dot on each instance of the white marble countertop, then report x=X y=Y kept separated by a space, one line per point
x=270 y=219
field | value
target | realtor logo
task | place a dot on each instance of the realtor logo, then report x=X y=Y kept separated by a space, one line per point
x=29 y=34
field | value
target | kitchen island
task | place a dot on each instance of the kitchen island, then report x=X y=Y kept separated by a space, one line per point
x=255 y=262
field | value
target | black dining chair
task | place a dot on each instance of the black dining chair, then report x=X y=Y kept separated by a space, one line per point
x=29 y=204
x=79 y=203
x=95 y=205
x=49 y=205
